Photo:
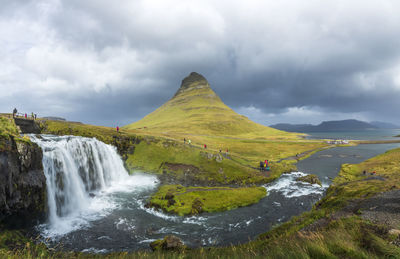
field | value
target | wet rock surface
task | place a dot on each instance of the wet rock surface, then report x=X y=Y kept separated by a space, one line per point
x=22 y=182
x=312 y=179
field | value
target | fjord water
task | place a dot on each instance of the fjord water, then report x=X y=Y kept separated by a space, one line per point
x=371 y=134
x=96 y=206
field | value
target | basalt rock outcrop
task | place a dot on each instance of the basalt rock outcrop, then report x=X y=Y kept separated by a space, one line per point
x=22 y=182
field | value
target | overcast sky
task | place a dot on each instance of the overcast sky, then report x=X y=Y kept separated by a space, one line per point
x=112 y=62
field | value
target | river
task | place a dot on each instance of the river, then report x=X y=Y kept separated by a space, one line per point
x=114 y=218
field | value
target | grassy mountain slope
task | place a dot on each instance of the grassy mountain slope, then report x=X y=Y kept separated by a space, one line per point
x=197 y=109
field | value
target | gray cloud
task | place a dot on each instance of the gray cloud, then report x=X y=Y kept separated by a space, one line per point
x=112 y=64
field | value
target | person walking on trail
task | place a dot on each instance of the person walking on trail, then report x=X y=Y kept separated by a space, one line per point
x=189 y=142
x=117 y=129
x=35 y=116
x=205 y=146
x=266 y=163
x=14 y=112
x=26 y=116
x=184 y=140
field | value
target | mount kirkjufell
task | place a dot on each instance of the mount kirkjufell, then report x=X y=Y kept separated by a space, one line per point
x=196 y=109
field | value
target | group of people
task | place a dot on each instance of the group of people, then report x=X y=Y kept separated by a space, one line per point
x=264 y=166
x=15 y=114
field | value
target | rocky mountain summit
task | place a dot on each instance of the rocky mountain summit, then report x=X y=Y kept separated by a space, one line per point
x=192 y=82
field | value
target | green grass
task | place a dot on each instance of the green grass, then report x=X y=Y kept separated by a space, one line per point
x=194 y=200
x=349 y=183
x=105 y=134
x=8 y=127
x=205 y=166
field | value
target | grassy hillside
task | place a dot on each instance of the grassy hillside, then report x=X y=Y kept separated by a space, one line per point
x=197 y=110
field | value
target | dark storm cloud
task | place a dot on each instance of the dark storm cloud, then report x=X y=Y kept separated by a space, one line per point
x=273 y=61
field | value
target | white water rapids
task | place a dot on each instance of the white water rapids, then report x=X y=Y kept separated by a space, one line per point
x=81 y=173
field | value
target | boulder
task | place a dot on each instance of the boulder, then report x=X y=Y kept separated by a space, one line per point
x=168 y=243
x=311 y=178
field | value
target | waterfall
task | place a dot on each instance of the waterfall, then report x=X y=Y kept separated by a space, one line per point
x=77 y=169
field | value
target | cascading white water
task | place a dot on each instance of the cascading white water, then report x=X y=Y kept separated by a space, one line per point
x=77 y=169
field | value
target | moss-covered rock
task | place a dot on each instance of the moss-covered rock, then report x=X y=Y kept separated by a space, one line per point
x=169 y=243
x=311 y=178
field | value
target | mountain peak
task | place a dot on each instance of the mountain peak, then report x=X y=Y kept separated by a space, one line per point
x=197 y=109
x=191 y=82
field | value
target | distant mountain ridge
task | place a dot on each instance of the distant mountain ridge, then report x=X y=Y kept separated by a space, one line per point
x=331 y=126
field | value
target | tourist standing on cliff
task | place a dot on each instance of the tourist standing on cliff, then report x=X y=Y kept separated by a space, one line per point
x=117 y=129
x=26 y=116
x=14 y=112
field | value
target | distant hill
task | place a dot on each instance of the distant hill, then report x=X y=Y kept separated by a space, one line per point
x=326 y=126
x=196 y=109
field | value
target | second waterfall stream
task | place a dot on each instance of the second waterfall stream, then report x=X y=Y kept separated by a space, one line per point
x=80 y=175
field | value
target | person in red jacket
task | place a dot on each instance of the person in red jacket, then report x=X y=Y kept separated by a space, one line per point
x=117 y=129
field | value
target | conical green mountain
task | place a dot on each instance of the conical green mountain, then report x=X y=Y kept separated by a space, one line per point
x=196 y=109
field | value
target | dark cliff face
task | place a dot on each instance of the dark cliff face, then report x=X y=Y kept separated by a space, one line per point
x=22 y=182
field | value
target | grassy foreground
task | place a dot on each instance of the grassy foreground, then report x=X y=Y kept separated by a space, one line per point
x=193 y=200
